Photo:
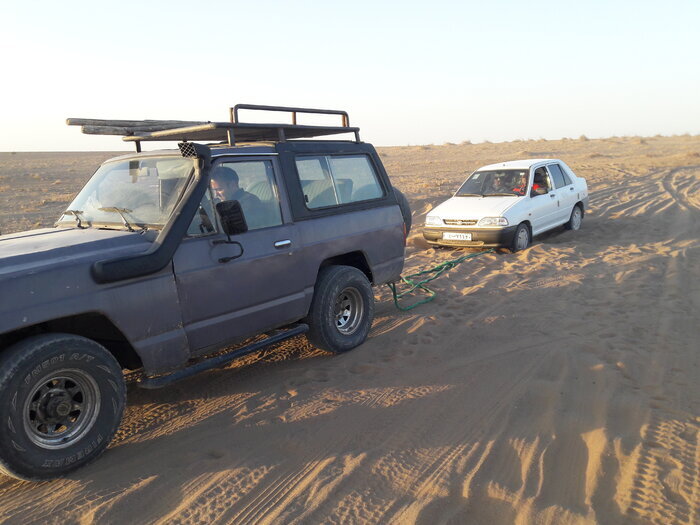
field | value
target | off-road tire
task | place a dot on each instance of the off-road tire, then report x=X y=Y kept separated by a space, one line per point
x=333 y=326
x=575 y=221
x=405 y=209
x=521 y=239
x=62 y=398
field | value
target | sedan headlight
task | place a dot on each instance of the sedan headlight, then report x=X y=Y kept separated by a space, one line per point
x=493 y=221
x=433 y=220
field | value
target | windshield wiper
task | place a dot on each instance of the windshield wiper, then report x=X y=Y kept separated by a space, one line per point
x=76 y=214
x=498 y=194
x=121 y=212
x=469 y=195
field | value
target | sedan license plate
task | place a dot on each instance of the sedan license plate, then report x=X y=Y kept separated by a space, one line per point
x=451 y=236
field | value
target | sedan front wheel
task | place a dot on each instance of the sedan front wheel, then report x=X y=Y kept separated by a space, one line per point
x=521 y=239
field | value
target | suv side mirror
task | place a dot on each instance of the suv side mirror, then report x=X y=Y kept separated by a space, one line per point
x=232 y=217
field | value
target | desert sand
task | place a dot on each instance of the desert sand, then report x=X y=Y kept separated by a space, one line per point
x=557 y=385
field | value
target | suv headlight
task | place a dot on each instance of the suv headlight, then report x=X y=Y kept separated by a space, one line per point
x=433 y=220
x=493 y=221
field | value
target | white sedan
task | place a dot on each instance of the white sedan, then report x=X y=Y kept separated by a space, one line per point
x=507 y=204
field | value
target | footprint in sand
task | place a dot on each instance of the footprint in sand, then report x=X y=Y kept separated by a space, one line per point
x=363 y=369
x=295 y=382
x=318 y=376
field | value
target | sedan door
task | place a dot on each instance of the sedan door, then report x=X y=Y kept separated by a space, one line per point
x=566 y=193
x=543 y=208
x=225 y=299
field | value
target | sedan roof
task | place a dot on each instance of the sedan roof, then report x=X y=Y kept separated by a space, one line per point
x=516 y=164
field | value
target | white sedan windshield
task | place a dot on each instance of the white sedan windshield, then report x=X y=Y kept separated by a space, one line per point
x=494 y=183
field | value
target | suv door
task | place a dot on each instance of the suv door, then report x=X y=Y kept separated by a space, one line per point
x=225 y=300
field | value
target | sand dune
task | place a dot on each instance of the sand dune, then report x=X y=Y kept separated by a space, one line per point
x=556 y=385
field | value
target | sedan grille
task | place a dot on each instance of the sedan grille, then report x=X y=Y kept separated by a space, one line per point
x=460 y=222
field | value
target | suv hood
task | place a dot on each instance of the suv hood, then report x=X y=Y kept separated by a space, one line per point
x=46 y=248
x=474 y=207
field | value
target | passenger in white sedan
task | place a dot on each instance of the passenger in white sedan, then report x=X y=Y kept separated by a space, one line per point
x=497 y=185
x=520 y=186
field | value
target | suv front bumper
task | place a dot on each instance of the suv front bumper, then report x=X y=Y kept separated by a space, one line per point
x=487 y=237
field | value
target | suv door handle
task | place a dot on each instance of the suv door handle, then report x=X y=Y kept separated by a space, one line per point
x=283 y=244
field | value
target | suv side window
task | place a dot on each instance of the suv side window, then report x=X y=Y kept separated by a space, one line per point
x=557 y=175
x=337 y=179
x=316 y=182
x=255 y=190
x=355 y=178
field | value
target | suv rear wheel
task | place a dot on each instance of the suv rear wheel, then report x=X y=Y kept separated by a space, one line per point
x=342 y=309
x=61 y=400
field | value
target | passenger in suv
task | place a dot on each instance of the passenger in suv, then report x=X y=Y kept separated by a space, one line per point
x=149 y=269
x=225 y=187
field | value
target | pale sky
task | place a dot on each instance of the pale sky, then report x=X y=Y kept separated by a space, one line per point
x=407 y=72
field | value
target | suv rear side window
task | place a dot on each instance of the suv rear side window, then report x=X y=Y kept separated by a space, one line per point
x=338 y=179
x=557 y=175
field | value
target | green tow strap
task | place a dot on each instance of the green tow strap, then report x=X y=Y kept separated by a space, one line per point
x=437 y=271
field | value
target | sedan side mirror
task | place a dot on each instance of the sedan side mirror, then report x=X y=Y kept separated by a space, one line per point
x=232 y=217
x=539 y=191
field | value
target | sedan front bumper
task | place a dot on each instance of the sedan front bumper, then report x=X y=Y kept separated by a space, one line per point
x=487 y=237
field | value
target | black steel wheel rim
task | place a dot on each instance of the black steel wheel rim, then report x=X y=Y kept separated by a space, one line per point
x=61 y=408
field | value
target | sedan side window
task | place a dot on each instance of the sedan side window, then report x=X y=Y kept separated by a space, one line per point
x=557 y=175
x=541 y=183
x=567 y=179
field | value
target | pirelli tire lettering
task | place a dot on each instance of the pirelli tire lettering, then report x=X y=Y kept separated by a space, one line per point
x=61 y=400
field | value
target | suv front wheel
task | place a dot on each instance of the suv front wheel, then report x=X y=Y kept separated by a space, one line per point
x=61 y=400
x=342 y=309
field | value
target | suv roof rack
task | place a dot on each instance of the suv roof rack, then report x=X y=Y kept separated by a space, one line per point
x=228 y=132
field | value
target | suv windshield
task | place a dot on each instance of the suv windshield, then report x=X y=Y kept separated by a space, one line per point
x=494 y=183
x=126 y=193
